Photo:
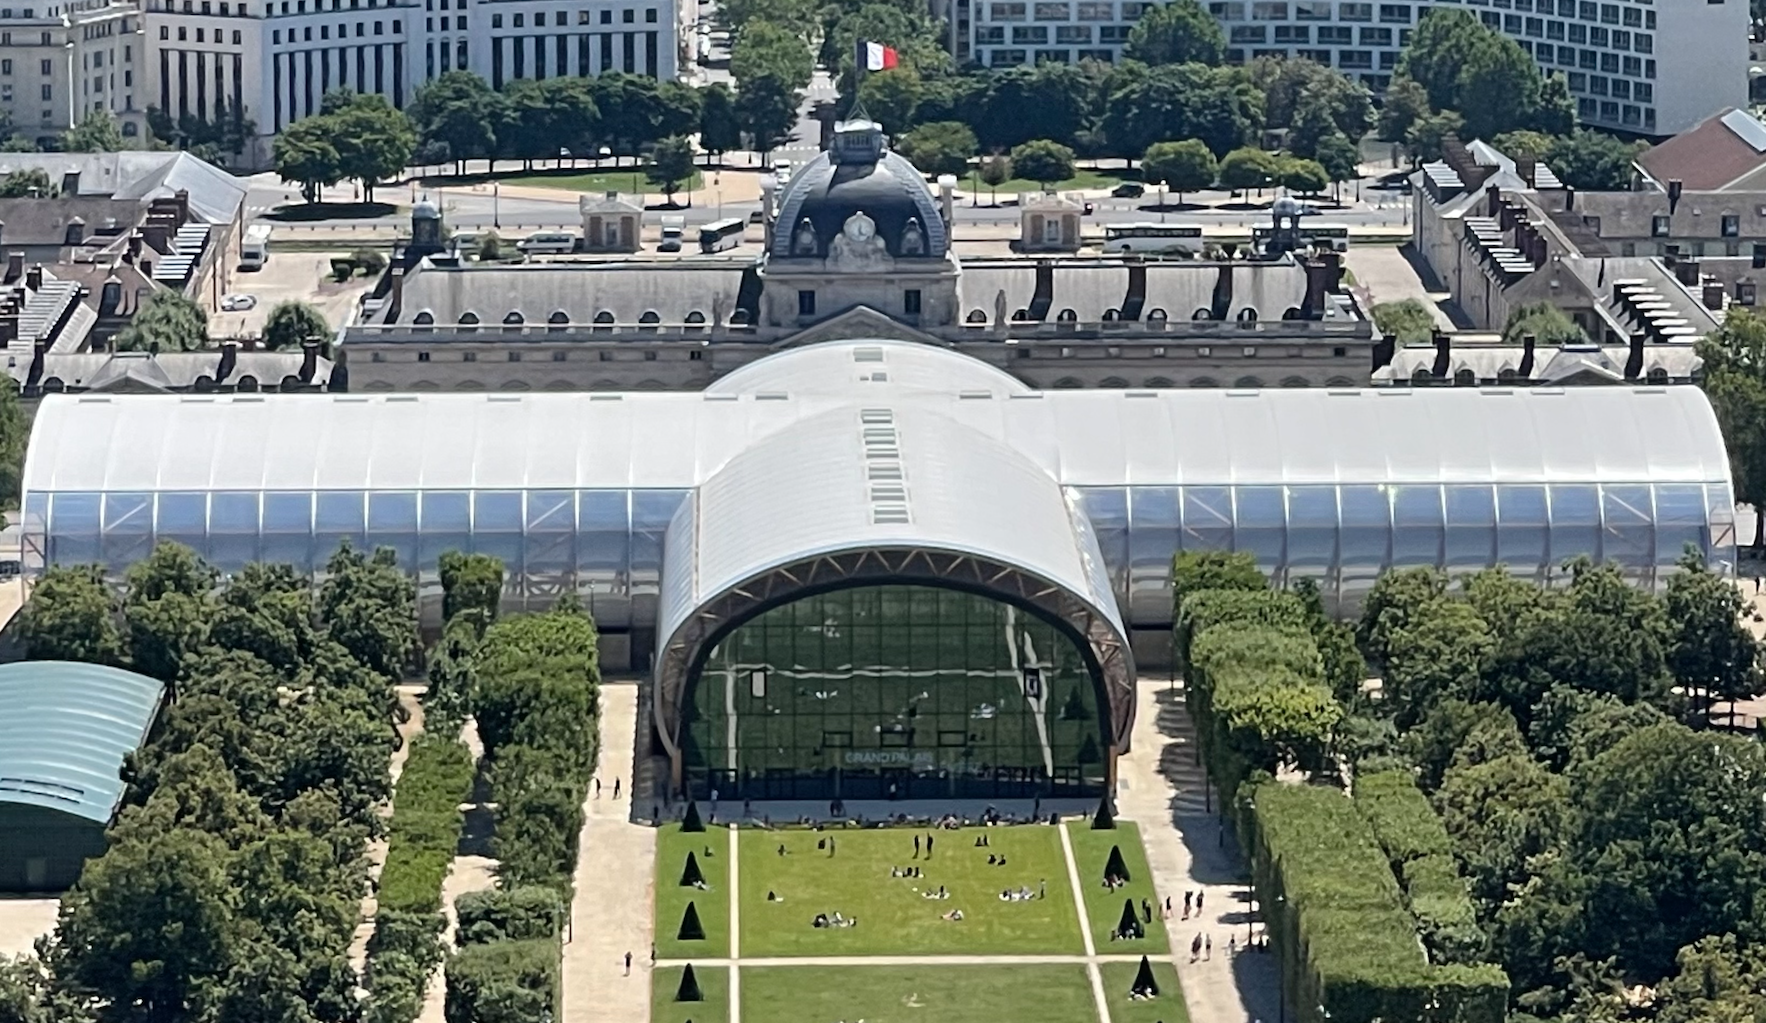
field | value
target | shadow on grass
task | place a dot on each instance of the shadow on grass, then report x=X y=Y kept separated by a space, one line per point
x=296 y=213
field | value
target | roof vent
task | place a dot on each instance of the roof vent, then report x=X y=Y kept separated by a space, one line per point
x=606 y=397
x=876 y=415
x=972 y=395
x=883 y=472
x=867 y=353
x=897 y=516
x=771 y=396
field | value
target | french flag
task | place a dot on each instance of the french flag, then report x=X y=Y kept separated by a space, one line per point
x=875 y=56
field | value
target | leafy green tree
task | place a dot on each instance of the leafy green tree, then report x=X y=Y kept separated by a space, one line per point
x=1594 y=161
x=1734 y=358
x=1297 y=92
x=1185 y=166
x=1503 y=815
x=1144 y=105
x=167 y=608
x=370 y=607
x=97 y=132
x=1437 y=655
x=767 y=111
x=294 y=323
x=1179 y=32
x=1498 y=86
x=1444 y=38
x=15 y=431
x=939 y=147
x=1547 y=323
x=1554 y=113
x=1426 y=140
x=764 y=50
x=527 y=132
x=1460 y=732
x=1344 y=668
x=30 y=183
x=891 y=96
x=919 y=40
x=1406 y=102
x=1524 y=142
x=29 y=994
x=471 y=583
x=672 y=165
x=1246 y=168
x=1340 y=158
x=719 y=130
x=1397 y=601
x=1305 y=177
x=1408 y=320
x=459 y=111
x=996 y=170
x=306 y=154
x=1043 y=160
x=374 y=141
x=1717 y=980
x=166 y=322
x=71 y=616
x=1711 y=653
x=1044 y=101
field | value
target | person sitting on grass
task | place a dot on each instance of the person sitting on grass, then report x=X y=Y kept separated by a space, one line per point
x=955 y=914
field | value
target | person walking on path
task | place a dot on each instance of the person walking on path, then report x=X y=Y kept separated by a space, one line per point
x=1208 y=946
x=616 y=788
x=597 y=788
x=1042 y=888
x=1188 y=897
x=830 y=845
x=916 y=847
x=628 y=963
x=1195 y=947
x=928 y=846
x=1199 y=894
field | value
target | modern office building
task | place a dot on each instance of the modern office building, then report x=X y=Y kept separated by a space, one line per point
x=65 y=730
x=271 y=61
x=63 y=60
x=855 y=518
x=1627 y=69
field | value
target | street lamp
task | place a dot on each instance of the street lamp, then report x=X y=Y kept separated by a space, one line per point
x=496 y=204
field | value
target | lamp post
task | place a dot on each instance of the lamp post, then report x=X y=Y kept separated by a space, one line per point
x=496 y=205
x=1251 y=866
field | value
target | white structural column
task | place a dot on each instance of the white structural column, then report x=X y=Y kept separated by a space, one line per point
x=1091 y=949
x=736 y=926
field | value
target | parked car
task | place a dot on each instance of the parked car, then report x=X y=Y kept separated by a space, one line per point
x=1129 y=190
x=238 y=303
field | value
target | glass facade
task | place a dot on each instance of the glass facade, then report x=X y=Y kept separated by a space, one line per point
x=894 y=691
x=607 y=544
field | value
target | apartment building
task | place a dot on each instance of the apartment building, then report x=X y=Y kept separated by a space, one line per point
x=1628 y=69
x=271 y=61
x=1006 y=33
x=61 y=61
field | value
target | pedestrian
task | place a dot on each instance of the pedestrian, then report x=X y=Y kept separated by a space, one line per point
x=916 y=847
x=628 y=964
x=781 y=848
x=656 y=813
x=1167 y=907
x=714 y=802
x=616 y=788
x=597 y=788
x=1232 y=944
x=1208 y=947
x=747 y=807
x=830 y=845
x=652 y=954
x=1042 y=888
x=1146 y=911
x=1195 y=947
x=928 y=846
x=1199 y=894
x=1188 y=897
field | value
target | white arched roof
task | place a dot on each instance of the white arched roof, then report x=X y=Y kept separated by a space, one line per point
x=835 y=367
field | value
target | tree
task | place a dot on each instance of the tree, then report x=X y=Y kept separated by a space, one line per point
x=294 y=323
x=1427 y=138
x=797 y=14
x=527 y=132
x=1438 y=50
x=1044 y=101
x=767 y=111
x=1710 y=651
x=15 y=430
x=1143 y=105
x=70 y=616
x=1406 y=103
x=1503 y=815
x=1498 y=86
x=471 y=583
x=1246 y=168
x=1717 y=981
x=374 y=141
x=1408 y=320
x=1179 y=32
x=765 y=50
x=1305 y=177
x=370 y=607
x=1043 y=160
x=996 y=170
x=31 y=183
x=1340 y=158
x=97 y=132
x=167 y=609
x=306 y=154
x=1524 y=142
x=1555 y=111
x=461 y=112
x=1594 y=161
x=1436 y=656
x=1734 y=358
x=1299 y=92
x=166 y=322
x=940 y=147
x=1548 y=325
x=719 y=131
x=672 y=165
x=1185 y=166
x=891 y=96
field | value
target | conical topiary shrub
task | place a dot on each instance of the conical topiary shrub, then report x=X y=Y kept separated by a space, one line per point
x=1144 y=984
x=690 y=874
x=1103 y=820
x=1130 y=924
x=691 y=821
x=689 y=989
x=691 y=928
x=1113 y=867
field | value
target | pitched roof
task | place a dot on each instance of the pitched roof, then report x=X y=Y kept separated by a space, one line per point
x=1720 y=153
x=215 y=195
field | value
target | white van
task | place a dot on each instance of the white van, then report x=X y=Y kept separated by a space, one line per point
x=254 y=251
x=548 y=242
x=673 y=229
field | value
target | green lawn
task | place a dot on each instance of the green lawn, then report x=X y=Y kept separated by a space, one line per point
x=1167 y=1008
x=946 y=994
x=627 y=180
x=714 y=984
x=1091 y=850
x=713 y=906
x=893 y=917
x=1083 y=178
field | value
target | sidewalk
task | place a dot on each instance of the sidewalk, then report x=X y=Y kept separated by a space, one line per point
x=1162 y=788
x=615 y=885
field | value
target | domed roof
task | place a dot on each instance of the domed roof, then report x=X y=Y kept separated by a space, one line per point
x=859 y=175
x=425 y=210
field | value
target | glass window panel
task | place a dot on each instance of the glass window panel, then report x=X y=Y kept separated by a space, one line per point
x=1366 y=534
x=337 y=517
x=1107 y=508
x=34 y=538
x=183 y=518
x=497 y=511
x=392 y=522
x=288 y=530
x=1471 y=528
x=1207 y=518
x=1154 y=531
x=73 y=528
x=603 y=554
x=233 y=530
x=1261 y=521
x=1629 y=533
x=1575 y=523
x=1680 y=520
x=1417 y=531
x=1521 y=529
x=651 y=512
x=447 y=526
x=551 y=543
x=1312 y=531
x=128 y=529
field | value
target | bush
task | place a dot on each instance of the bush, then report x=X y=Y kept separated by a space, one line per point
x=503 y=982
x=342 y=268
x=1421 y=855
x=370 y=261
x=1408 y=320
x=522 y=913
x=1335 y=910
x=471 y=582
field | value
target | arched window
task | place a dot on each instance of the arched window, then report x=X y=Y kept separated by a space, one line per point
x=1465 y=378
x=1068 y=384
x=1202 y=314
x=1159 y=382
x=424 y=318
x=1067 y=316
x=1295 y=382
x=1340 y=382
x=1290 y=313
x=514 y=319
x=1422 y=375
x=648 y=321
x=1204 y=382
x=1020 y=315
x=1657 y=375
x=559 y=319
x=740 y=318
x=1506 y=375
x=247 y=385
x=1248 y=314
x=469 y=319
x=695 y=321
x=1248 y=382
x=975 y=316
x=1112 y=315
x=603 y=317
x=1155 y=316
x=56 y=385
x=1113 y=383
x=603 y=322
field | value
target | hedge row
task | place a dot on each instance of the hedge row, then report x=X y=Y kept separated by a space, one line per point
x=1420 y=853
x=406 y=945
x=1339 y=920
x=503 y=982
x=507 y=914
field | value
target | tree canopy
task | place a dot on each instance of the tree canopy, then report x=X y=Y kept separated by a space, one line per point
x=166 y=322
x=294 y=323
x=1179 y=32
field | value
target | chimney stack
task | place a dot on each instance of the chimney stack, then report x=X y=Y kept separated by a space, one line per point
x=1634 y=362
x=1528 y=344
x=1713 y=295
x=15 y=266
x=309 y=361
x=1687 y=271
x=134 y=251
x=1385 y=347
x=1674 y=189
x=34 y=277
x=229 y=361
x=1443 y=367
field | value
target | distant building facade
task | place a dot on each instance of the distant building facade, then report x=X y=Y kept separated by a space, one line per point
x=63 y=60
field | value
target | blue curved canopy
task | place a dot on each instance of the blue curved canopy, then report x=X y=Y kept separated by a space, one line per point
x=65 y=728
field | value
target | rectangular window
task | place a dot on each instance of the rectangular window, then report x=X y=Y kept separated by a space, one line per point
x=1376 y=37
x=496 y=21
x=1269 y=10
x=1030 y=34
x=48 y=93
x=1395 y=14
x=520 y=20
x=910 y=302
x=1731 y=225
x=1249 y=34
x=48 y=68
x=1597 y=37
x=1006 y=12
x=1078 y=35
x=806 y=303
x=1356 y=59
x=1355 y=12
x=1054 y=11
x=1658 y=227
x=990 y=35
x=1091 y=10
x=1335 y=35
x=1301 y=34
x=1312 y=10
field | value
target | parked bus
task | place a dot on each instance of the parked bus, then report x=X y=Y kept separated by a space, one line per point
x=1185 y=238
x=1333 y=236
x=721 y=235
x=254 y=251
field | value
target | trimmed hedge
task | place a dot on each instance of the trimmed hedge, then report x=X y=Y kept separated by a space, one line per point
x=406 y=945
x=507 y=914
x=503 y=982
x=1339 y=921
x=1417 y=846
